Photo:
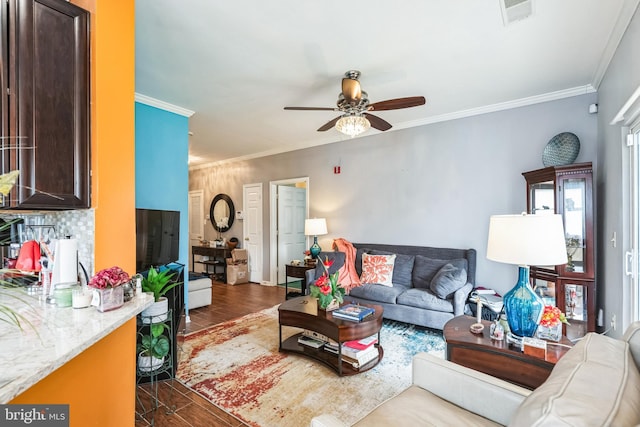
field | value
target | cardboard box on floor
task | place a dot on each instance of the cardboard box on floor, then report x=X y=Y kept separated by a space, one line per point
x=238 y=267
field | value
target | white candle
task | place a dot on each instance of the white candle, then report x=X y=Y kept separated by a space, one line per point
x=479 y=311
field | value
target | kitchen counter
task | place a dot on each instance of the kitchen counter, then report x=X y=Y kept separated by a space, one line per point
x=55 y=336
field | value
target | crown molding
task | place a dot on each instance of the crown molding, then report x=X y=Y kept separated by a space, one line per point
x=501 y=106
x=147 y=100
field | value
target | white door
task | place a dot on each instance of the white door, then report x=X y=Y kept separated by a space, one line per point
x=196 y=219
x=252 y=229
x=292 y=210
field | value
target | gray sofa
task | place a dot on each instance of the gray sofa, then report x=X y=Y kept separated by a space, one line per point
x=596 y=383
x=412 y=298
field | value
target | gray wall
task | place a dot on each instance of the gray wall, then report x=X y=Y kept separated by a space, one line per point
x=434 y=185
x=620 y=81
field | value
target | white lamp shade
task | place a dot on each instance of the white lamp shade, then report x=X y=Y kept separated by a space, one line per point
x=527 y=239
x=315 y=227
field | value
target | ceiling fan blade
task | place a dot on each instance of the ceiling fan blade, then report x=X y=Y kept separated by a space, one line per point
x=329 y=125
x=377 y=122
x=398 y=103
x=351 y=90
x=311 y=108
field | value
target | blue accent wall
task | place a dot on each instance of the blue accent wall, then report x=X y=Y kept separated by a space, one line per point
x=162 y=167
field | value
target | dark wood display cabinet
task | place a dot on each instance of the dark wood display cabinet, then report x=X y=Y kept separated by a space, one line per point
x=568 y=191
x=45 y=105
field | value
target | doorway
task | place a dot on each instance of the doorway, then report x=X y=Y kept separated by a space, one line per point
x=289 y=207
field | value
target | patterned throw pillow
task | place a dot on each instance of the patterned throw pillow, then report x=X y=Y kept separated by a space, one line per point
x=377 y=269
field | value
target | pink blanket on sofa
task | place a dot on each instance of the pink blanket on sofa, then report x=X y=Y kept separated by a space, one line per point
x=347 y=275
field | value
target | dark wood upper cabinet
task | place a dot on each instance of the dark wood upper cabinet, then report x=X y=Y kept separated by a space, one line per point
x=47 y=77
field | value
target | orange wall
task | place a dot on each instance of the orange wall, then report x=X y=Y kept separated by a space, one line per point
x=99 y=384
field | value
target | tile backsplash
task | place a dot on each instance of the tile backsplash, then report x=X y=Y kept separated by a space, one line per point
x=78 y=224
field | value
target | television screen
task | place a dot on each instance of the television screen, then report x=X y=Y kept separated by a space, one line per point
x=157 y=238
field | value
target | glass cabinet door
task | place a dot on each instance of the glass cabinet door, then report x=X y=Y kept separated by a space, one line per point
x=576 y=300
x=542 y=198
x=573 y=198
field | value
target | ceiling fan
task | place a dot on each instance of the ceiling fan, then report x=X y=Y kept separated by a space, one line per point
x=354 y=105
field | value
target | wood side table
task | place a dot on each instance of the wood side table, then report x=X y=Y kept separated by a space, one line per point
x=498 y=358
x=299 y=272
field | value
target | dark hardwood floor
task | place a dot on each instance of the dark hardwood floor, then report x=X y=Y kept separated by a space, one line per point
x=228 y=302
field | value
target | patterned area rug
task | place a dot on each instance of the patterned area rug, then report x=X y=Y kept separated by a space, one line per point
x=236 y=365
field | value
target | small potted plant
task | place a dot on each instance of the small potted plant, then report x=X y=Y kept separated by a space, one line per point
x=153 y=348
x=327 y=289
x=158 y=283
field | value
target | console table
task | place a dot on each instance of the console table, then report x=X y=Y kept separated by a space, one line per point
x=498 y=358
x=217 y=258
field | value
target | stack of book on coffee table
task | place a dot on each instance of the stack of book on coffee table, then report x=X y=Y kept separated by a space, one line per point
x=357 y=353
x=353 y=312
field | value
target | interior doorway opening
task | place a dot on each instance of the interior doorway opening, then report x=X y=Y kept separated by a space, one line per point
x=289 y=207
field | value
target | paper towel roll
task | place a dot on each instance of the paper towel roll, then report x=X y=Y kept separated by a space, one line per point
x=65 y=261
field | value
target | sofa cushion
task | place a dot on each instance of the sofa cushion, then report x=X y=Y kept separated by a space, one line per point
x=448 y=280
x=596 y=383
x=416 y=406
x=401 y=269
x=377 y=293
x=424 y=298
x=377 y=269
x=425 y=269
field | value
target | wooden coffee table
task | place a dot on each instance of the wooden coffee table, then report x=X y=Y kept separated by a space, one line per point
x=498 y=358
x=303 y=312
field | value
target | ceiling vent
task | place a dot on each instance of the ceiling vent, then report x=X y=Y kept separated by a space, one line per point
x=515 y=10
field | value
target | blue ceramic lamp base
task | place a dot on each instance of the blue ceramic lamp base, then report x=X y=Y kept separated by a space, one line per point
x=523 y=306
x=315 y=248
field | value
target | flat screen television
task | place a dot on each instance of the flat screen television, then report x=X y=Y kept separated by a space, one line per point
x=157 y=238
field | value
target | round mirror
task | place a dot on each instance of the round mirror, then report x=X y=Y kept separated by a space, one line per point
x=222 y=213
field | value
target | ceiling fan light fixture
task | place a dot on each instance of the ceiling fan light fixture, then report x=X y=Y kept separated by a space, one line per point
x=352 y=125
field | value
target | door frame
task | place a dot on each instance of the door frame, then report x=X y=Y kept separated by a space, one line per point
x=273 y=222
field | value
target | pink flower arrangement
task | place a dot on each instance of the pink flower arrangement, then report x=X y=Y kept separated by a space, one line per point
x=551 y=316
x=109 y=278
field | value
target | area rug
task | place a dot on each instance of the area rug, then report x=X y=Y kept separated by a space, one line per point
x=236 y=365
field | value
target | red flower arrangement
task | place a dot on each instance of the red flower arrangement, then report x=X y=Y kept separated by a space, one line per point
x=109 y=278
x=326 y=287
x=551 y=316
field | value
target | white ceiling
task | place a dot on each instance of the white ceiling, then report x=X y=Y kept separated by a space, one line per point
x=237 y=63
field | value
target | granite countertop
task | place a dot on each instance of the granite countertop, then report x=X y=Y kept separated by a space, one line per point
x=56 y=336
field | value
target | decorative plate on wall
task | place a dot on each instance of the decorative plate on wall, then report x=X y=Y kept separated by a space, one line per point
x=561 y=150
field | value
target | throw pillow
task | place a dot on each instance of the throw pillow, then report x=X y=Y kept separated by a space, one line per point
x=425 y=269
x=377 y=269
x=402 y=267
x=448 y=280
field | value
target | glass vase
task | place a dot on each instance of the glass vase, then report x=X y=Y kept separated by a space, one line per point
x=109 y=298
x=551 y=333
x=334 y=304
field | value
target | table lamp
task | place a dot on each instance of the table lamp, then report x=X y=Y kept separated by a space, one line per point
x=315 y=227
x=525 y=240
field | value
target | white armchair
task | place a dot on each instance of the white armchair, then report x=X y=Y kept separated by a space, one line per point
x=443 y=393
x=596 y=383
